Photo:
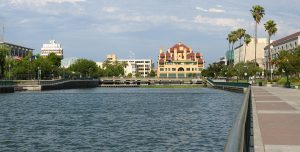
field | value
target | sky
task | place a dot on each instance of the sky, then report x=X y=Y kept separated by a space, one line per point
x=139 y=28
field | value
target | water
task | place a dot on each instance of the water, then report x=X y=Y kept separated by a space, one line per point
x=117 y=119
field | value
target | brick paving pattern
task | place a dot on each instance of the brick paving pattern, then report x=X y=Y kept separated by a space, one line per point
x=278 y=113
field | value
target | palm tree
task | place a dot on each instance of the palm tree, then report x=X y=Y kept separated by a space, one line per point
x=270 y=27
x=247 y=40
x=229 y=43
x=234 y=38
x=258 y=13
x=240 y=34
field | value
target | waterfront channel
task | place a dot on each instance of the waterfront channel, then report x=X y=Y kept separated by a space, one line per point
x=118 y=119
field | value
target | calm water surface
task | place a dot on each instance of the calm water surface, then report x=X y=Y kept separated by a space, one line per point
x=117 y=119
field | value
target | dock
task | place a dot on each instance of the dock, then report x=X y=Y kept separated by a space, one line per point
x=276 y=119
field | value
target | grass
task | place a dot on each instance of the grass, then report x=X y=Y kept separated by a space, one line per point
x=173 y=86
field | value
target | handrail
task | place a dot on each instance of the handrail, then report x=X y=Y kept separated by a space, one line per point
x=231 y=84
x=238 y=138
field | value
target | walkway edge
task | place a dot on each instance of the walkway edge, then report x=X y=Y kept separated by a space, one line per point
x=258 y=143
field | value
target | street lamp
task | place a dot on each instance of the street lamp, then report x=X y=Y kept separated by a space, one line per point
x=39 y=75
x=9 y=71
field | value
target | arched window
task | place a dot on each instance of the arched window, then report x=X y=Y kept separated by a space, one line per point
x=180 y=69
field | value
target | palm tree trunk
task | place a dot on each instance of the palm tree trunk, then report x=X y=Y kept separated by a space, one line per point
x=228 y=61
x=240 y=50
x=255 y=48
x=245 y=53
x=255 y=42
x=269 y=58
x=232 y=54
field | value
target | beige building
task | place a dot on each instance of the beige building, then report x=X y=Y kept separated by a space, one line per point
x=179 y=62
x=239 y=52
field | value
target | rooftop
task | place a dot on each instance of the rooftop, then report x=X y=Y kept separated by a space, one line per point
x=16 y=45
x=285 y=39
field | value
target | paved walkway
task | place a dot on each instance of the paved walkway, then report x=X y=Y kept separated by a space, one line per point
x=276 y=119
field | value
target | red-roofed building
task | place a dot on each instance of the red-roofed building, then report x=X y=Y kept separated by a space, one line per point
x=179 y=62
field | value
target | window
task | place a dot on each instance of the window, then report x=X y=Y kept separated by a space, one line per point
x=161 y=69
x=188 y=69
x=192 y=69
x=173 y=69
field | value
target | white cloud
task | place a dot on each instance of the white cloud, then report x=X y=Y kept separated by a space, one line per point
x=42 y=2
x=201 y=9
x=210 y=10
x=109 y=9
x=223 y=22
x=215 y=10
x=154 y=19
x=121 y=28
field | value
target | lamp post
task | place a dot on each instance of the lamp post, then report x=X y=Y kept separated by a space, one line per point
x=9 y=71
x=39 y=75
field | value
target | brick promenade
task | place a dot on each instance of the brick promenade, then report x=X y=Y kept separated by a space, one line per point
x=276 y=119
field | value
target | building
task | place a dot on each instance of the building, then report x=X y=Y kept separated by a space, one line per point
x=132 y=66
x=249 y=55
x=179 y=62
x=17 y=51
x=67 y=62
x=52 y=47
x=229 y=57
x=287 y=43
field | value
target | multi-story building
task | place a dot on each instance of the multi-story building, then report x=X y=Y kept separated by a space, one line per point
x=133 y=66
x=52 y=47
x=17 y=51
x=287 y=43
x=179 y=62
x=239 y=52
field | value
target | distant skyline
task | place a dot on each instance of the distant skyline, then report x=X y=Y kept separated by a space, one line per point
x=94 y=28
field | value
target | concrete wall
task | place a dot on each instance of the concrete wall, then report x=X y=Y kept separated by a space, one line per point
x=7 y=89
x=72 y=84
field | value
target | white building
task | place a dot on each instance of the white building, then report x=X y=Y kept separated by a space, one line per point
x=133 y=66
x=239 y=52
x=141 y=66
x=287 y=43
x=52 y=47
x=67 y=62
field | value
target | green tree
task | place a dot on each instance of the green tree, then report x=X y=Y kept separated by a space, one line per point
x=3 y=54
x=137 y=74
x=258 y=13
x=233 y=36
x=247 y=40
x=270 y=27
x=287 y=63
x=129 y=75
x=240 y=35
x=152 y=73
x=86 y=68
x=229 y=39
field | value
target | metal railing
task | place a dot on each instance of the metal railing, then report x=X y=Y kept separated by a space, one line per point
x=231 y=84
x=240 y=136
